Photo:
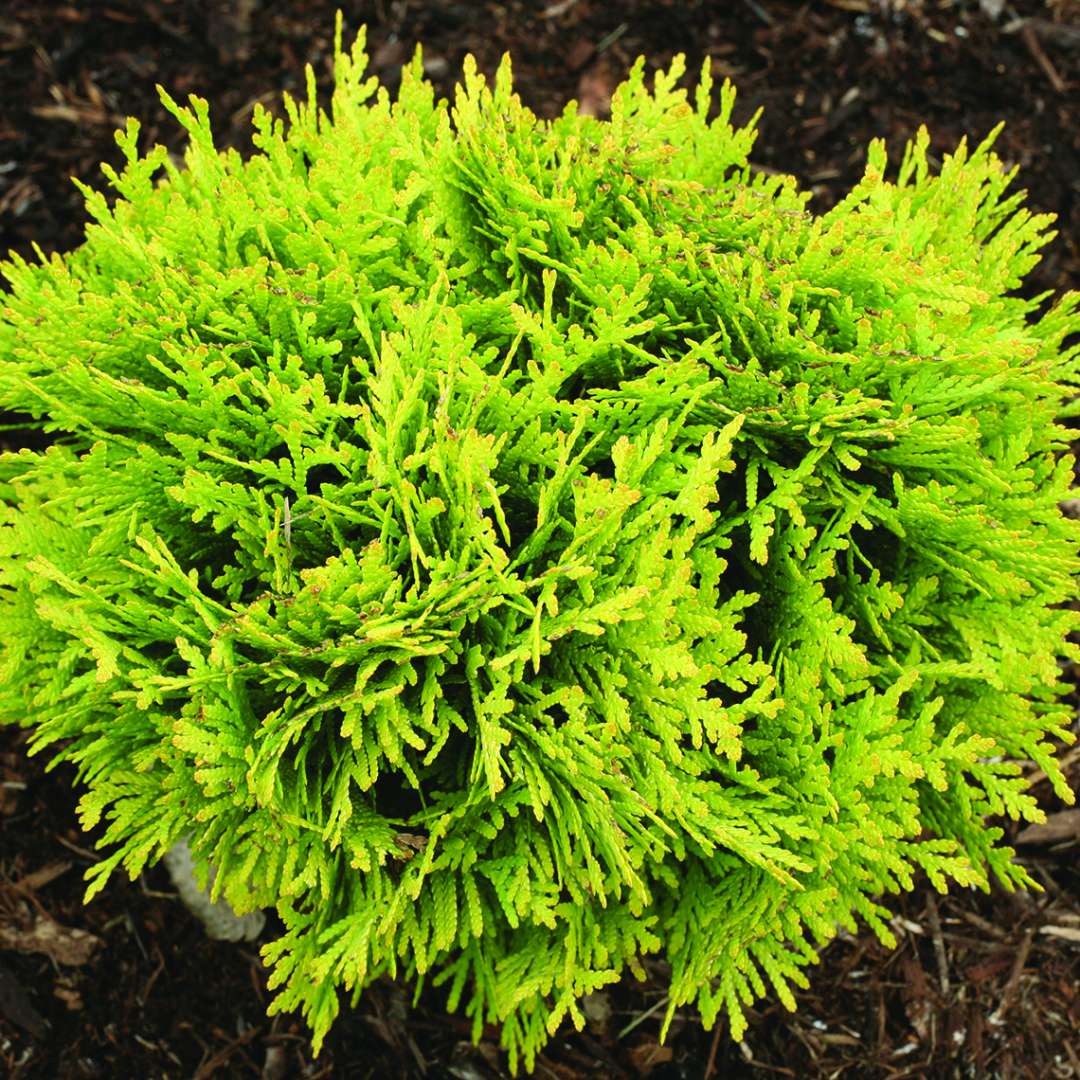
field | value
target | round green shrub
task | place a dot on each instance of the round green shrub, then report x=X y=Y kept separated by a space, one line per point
x=514 y=548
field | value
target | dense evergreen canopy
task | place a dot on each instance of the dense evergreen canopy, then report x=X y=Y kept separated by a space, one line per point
x=513 y=548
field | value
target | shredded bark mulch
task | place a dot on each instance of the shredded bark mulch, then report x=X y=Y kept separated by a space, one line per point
x=980 y=985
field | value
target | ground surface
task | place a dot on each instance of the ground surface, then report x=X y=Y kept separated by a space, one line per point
x=980 y=986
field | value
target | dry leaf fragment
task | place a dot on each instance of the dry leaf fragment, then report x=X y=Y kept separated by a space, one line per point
x=409 y=844
x=648 y=1055
x=65 y=945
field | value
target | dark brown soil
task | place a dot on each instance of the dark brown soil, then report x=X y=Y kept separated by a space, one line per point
x=980 y=986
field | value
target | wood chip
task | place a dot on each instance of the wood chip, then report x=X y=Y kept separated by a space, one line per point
x=561 y=8
x=1062 y=826
x=1066 y=933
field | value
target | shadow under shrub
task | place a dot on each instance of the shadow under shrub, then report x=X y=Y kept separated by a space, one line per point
x=513 y=548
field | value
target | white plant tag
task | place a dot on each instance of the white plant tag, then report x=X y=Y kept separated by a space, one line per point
x=221 y=922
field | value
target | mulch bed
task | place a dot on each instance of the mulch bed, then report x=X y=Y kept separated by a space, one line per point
x=980 y=985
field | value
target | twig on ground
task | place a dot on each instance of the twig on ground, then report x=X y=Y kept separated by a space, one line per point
x=1031 y=40
x=1009 y=992
x=710 y=1065
x=210 y=1066
x=939 y=943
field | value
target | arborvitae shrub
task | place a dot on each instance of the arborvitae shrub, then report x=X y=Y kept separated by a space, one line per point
x=516 y=548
